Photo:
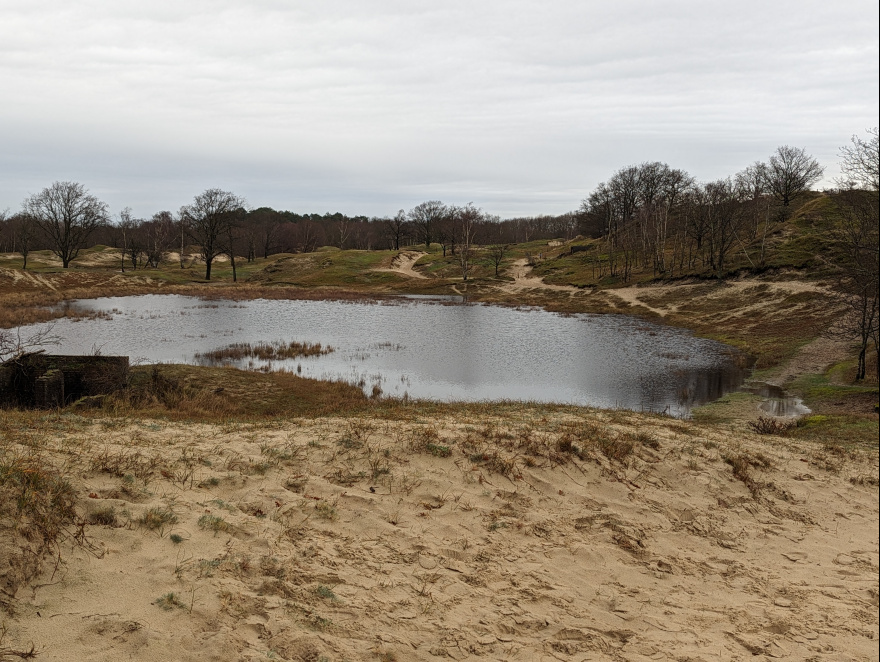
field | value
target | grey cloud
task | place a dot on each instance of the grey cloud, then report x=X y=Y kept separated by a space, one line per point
x=371 y=104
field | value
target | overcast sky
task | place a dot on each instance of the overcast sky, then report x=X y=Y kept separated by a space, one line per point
x=367 y=106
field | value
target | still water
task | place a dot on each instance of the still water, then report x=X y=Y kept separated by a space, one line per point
x=429 y=349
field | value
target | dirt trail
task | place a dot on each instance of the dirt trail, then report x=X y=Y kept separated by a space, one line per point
x=522 y=280
x=403 y=264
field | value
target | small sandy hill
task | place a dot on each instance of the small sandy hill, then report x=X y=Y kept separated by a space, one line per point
x=403 y=263
x=583 y=536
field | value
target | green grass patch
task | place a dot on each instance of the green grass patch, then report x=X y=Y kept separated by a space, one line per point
x=843 y=430
x=330 y=268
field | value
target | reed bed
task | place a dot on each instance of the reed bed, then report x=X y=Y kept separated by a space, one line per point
x=266 y=351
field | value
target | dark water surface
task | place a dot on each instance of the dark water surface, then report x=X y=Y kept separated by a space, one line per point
x=430 y=349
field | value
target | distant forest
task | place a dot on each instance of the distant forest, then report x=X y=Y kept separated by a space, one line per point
x=265 y=231
x=646 y=216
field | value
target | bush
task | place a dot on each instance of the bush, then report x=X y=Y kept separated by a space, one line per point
x=770 y=425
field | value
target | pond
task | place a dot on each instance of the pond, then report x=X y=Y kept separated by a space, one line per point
x=428 y=348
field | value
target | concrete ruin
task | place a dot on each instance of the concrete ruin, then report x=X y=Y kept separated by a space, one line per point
x=47 y=381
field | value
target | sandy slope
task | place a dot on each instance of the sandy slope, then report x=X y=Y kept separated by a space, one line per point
x=403 y=263
x=522 y=280
x=358 y=540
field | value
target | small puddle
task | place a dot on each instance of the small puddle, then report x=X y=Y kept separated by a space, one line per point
x=777 y=401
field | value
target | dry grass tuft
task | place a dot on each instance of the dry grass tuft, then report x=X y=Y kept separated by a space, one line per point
x=104 y=516
x=221 y=393
x=742 y=464
x=770 y=425
x=36 y=513
x=617 y=447
x=157 y=519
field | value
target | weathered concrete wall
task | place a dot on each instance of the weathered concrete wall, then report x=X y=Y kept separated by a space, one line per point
x=49 y=390
x=5 y=381
x=52 y=380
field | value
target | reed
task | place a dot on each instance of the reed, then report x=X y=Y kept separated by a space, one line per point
x=266 y=351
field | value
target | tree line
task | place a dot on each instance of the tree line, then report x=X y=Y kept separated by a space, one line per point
x=65 y=218
x=653 y=216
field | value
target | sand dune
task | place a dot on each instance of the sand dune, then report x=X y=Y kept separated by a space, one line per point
x=584 y=536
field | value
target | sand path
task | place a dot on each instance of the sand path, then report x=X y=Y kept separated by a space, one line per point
x=522 y=280
x=403 y=264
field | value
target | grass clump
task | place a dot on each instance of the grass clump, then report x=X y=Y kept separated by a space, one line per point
x=219 y=393
x=615 y=447
x=169 y=601
x=213 y=523
x=157 y=518
x=742 y=464
x=326 y=511
x=438 y=450
x=105 y=516
x=34 y=496
x=327 y=593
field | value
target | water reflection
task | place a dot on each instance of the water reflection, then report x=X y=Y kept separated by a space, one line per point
x=432 y=349
x=777 y=401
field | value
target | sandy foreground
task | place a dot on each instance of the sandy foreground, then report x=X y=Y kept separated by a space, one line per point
x=582 y=536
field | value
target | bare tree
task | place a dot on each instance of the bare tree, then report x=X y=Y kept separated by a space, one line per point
x=467 y=220
x=397 y=229
x=859 y=243
x=68 y=215
x=789 y=172
x=206 y=220
x=496 y=254
x=751 y=188
x=343 y=230
x=859 y=286
x=24 y=230
x=264 y=229
x=132 y=245
x=232 y=226
x=159 y=232
x=721 y=208
x=16 y=342
x=861 y=161
x=426 y=217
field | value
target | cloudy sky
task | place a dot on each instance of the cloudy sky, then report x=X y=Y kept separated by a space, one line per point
x=369 y=106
